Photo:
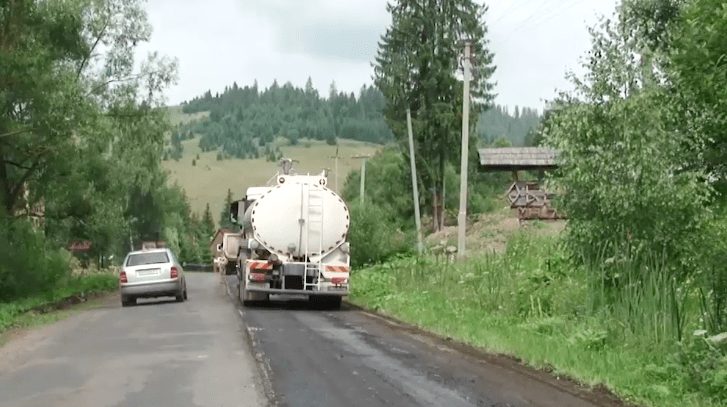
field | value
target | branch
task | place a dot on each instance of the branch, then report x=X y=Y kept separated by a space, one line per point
x=18 y=165
x=19 y=185
x=16 y=132
x=93 y=48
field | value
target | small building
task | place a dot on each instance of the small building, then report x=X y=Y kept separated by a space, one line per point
x=516 y=159
x=530 y=198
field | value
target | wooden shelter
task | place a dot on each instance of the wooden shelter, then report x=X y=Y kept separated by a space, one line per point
x=528 y=197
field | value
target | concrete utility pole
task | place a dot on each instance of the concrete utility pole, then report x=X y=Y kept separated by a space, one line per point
x=462 y=217
x=335 y=166
x=415 y=188
x=362 y=191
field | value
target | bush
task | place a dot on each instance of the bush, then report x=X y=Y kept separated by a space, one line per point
x=702 y=361
x=28 y=264
x=374 y=236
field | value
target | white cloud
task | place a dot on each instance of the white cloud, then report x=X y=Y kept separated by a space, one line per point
x=221 y=41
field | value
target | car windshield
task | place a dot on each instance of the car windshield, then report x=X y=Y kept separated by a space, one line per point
x=141 y=259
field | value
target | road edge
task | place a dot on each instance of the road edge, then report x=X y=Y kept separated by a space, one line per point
x=599 y=395
x=262 y=363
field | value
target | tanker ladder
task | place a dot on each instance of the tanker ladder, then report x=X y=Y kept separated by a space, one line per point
x=314 y=223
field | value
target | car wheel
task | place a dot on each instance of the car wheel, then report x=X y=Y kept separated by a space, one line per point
x=127 y=301
x=185 y=294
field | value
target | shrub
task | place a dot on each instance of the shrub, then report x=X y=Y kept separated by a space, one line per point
x=28 y=264
x=374 y=235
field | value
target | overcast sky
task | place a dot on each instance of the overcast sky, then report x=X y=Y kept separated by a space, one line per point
x=217 y=42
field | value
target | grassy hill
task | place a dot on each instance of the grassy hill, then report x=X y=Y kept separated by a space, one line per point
x=209 y=179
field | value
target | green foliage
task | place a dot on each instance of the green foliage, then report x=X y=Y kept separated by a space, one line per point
x=698 y=77
x=374 y=235
x=531 y=302
x=630 y=181
x=11 y=313
x=82 y=126
x=702 y=361
x=244 y=119
x=225 y=222
x=416 y=68
x=390 y=168
x=208 y=223
x=518 y=128
x=28 y=264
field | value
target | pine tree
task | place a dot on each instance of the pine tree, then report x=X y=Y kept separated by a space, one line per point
x=208 y=223
x=416 y=67
x=225 y=222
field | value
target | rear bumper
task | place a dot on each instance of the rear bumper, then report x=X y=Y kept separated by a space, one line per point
x=155 y=289
x=258 y=289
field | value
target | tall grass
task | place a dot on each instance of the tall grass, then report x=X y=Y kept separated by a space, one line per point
x=622 y=323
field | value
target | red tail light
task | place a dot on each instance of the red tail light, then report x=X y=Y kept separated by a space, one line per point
x=122 y=277
x=339 y=280
x=174 y=273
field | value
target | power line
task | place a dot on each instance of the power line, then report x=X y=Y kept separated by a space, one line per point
x=542 y=18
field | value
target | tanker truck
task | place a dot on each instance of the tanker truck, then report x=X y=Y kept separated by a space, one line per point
x=294 y=239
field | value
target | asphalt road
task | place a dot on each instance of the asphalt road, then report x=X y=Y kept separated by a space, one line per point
x=155 y=354
x=351 y=358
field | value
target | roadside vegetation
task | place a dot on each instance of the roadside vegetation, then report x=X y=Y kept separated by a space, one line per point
x=71 y=290
x=632 y=295
x=82 y=130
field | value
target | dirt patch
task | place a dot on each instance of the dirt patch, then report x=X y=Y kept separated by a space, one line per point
x=490 y=232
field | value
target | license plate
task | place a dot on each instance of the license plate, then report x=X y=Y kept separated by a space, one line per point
x=151 y=272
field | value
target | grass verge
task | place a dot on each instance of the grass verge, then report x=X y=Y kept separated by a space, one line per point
x=36 y=309
x=527 y=303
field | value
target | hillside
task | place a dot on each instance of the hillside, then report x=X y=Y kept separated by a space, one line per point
x=209 y=179
x=244 y=122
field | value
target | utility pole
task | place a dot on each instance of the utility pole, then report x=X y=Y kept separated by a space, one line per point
x=362 y=191
x=414 y=186
x=462 y=217
x=335 y=166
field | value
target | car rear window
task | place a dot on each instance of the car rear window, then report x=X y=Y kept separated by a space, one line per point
x=141 y=259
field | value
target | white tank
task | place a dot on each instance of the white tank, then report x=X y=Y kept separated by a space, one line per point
x=298 y=217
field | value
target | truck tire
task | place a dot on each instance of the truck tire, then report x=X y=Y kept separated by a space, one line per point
x=230 y=269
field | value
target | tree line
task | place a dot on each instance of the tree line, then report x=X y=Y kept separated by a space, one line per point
x=81 y=137
x=244 y=122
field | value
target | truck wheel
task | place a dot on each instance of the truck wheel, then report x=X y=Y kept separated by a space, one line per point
x=230 y=269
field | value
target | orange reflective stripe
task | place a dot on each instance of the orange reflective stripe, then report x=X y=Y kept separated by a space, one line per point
x=338 y=269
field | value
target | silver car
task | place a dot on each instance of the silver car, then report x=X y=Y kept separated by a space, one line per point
x=151 y=273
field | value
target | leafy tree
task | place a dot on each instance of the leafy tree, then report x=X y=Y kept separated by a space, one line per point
x=82 y=130
x=628 y=173
x=416 y=68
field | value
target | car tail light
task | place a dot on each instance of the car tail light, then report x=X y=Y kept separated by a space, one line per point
x=174 y=273
x=122 y=277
